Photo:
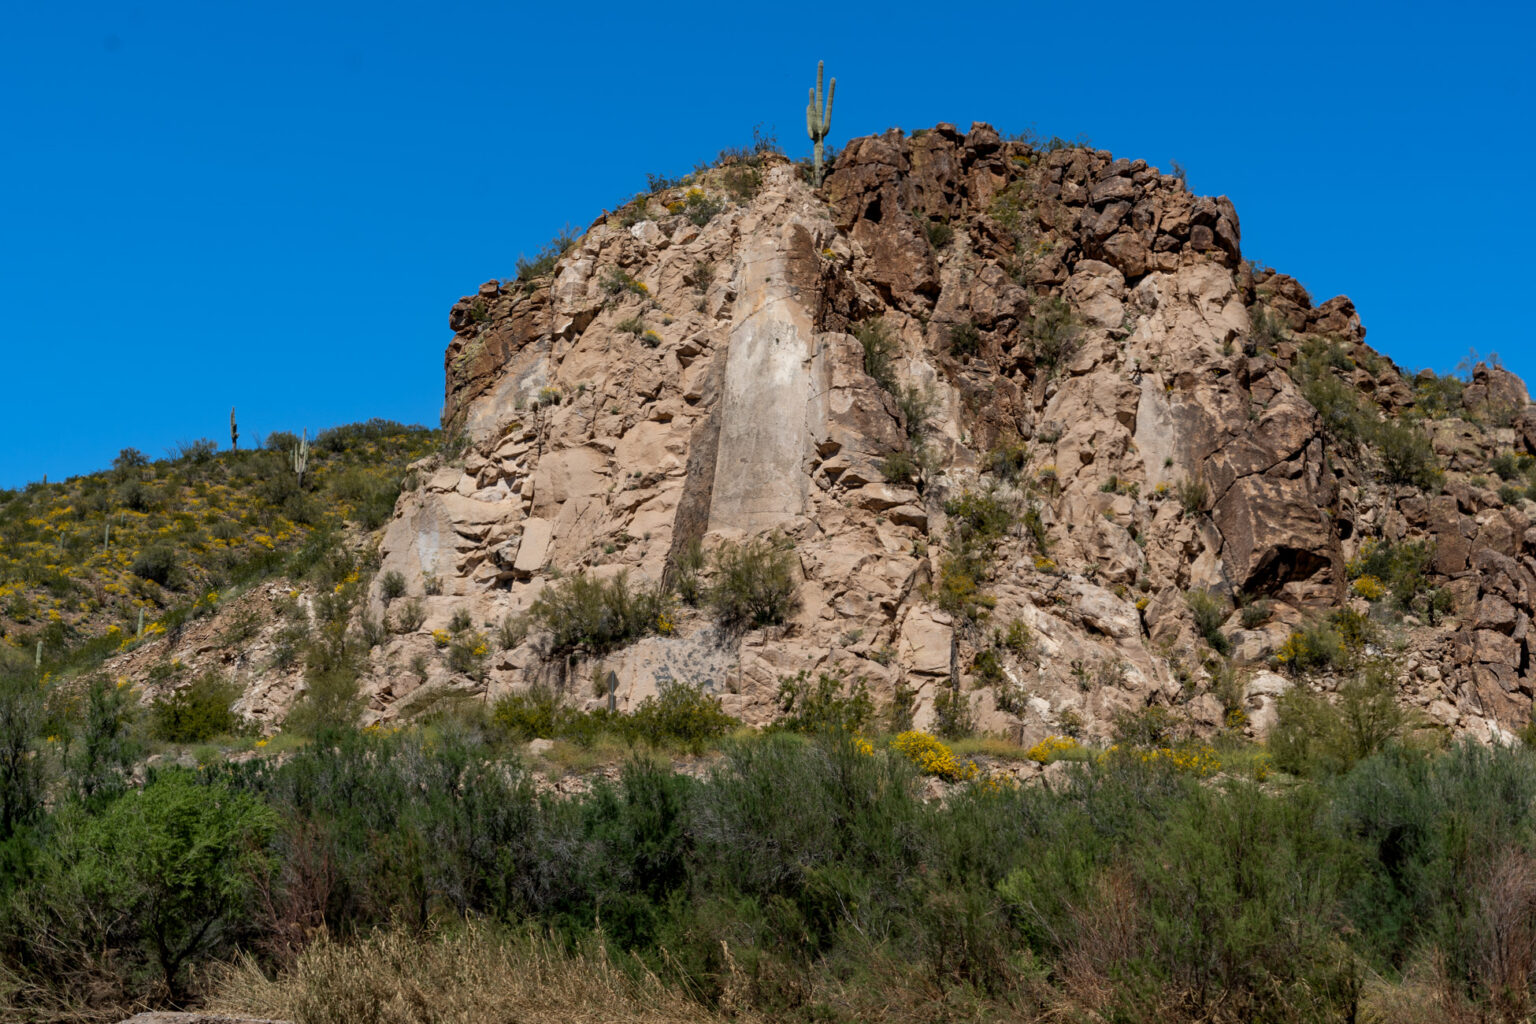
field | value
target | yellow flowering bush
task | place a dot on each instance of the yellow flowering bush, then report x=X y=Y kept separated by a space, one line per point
x=1370 y=588
x=1050 y=748
x=932 y=757
x=1044 y=564
x=1201 y=761
x=441 y=637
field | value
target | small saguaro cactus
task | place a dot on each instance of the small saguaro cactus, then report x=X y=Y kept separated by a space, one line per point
x=818 y=119
x=301 y=456
x=234 y=431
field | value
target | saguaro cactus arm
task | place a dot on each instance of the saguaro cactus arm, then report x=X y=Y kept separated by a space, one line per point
x=818 y=118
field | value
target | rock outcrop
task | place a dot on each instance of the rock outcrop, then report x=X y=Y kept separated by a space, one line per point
x=1075 y=335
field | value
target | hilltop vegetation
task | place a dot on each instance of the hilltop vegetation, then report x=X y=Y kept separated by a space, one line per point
x=83 y=559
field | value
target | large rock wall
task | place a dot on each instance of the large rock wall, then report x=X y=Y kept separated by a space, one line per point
x=748 y=409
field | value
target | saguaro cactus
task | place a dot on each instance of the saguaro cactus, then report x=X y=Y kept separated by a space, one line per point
x=818 y=119
x=301 y=457
x=234 y=430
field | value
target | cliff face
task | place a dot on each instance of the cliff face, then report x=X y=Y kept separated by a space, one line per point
x=1073 y=337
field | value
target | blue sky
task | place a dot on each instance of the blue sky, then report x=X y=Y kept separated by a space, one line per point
x=272 y=206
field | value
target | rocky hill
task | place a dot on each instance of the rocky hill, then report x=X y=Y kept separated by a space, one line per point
x=1035 y=443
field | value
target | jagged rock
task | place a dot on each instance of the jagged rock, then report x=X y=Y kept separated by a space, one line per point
x=1158 y=441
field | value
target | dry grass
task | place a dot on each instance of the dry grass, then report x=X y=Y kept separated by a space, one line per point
x=474 y=974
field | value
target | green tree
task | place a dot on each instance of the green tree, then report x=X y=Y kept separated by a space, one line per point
x=173 y=865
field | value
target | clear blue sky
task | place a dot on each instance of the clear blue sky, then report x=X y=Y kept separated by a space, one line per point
x=272 y=206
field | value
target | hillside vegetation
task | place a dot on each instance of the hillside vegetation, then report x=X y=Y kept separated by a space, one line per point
x=85 y=560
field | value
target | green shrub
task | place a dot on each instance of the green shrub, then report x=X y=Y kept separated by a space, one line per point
x=391 y=586
x=900 y=467
x=1314 y=735
x=582 y=612
x=331 y=702
x=880 y=352
x=810 y=707
x=700 y=209
x=1055 y=334
x=157 y=563
x=1257 y=612
x=196 y=712
x=1192 y=495
x=939 y=233
x=615 y=282
x=22 y=769
x=170 y=870
x=1210 y=610
x=682 y=714
x=544 y=263
x=467 y=653
x=1402 y=566
x=756 y=584
x=100 y=759
x=1407 y=456
x=1315 y=647
x=964 y=340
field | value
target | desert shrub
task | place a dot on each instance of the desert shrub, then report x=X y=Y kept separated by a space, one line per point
x=808 y=707
x=953 y=718
x=1055 y=333
x=1210 y=610
x=391 y=586
x=1257 y=612
x=1192 y=495
x=1148 y=728
x=167 y=873
x=194 y=452
x=1438 y=397
x=583 y=612
x=1407 y=456
x=615 y=282
x=964 y=340
x=1403 y=567
x=1314 y=735
x=467 y=653
x=409 y=616
x=544 y=263
x=978 y=523
x=511 y=631
x=1007 y=458
x=100 y=758
x=1447 y=848
x=1316 y=647
x=1345 y=418
x=880 y=352
x=331 y=701
x=157 y=563
x=683 y=715
x=756 y=583
x=196 y=712
x=931 y=757
x=1505 y=466
x=687 y=572
x=369 y=496
x=22 y=770
x=699 y=208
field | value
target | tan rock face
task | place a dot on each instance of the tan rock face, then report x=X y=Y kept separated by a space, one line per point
x=1074 y=333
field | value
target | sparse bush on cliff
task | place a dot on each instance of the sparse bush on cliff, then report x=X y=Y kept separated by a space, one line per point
x=1316 y=735
x=880 y=352
x=756 y=583
x=587 y=614
x=196 y=712
x=1210 y=610
x=1407 y=456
